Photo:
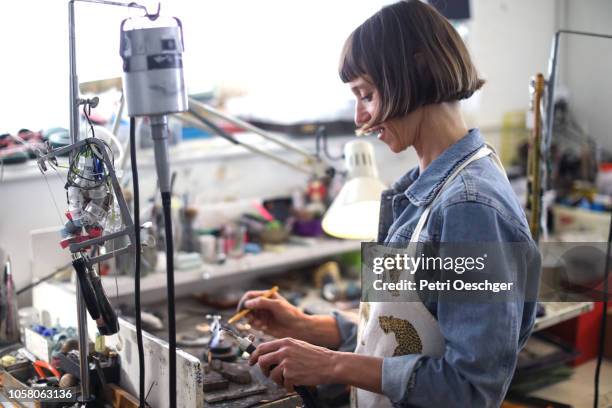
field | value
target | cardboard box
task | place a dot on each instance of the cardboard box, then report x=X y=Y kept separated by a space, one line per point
x=37 y=345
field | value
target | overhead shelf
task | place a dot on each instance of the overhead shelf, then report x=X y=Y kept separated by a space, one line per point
x=209 y=277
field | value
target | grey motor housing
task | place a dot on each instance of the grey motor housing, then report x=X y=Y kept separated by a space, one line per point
x=153 y=70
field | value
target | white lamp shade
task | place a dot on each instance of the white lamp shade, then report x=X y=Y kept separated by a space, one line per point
x=354 y=212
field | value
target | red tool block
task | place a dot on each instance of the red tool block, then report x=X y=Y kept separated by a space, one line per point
x=582 y=332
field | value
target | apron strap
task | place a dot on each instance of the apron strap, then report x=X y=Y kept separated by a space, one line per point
x=486 y=150
x=497 y=161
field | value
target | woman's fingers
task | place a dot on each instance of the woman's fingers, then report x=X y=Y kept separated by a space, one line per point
x=260 y=303
x=257 y=324
x=247 y=295
x=288 y=381
x=260 y=320
x=253 y=294
x=277 y=375
x=274 y=315
x=268 y=347
x=303 y=363
x=268 y=362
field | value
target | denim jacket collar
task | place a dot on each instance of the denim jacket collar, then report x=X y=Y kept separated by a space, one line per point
x=420 y=189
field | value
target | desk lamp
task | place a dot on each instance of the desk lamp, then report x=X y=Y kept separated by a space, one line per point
x=354 y=212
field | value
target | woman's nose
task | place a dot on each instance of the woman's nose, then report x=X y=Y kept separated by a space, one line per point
x=361 y=115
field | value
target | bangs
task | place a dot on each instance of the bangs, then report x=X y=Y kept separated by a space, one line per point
x=352 y=64
x=413 y=56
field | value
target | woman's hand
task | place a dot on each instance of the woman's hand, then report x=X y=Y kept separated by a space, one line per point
x=274 y=315
x=290 y=362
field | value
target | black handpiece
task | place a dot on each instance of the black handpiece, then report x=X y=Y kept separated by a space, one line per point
x=96 y=301
x=87 y=290
x=107 y=313
x=247 y=346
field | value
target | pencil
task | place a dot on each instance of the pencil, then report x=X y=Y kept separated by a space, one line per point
x=245 y=312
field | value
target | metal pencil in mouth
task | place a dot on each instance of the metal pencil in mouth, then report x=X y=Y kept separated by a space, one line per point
x=373 y=131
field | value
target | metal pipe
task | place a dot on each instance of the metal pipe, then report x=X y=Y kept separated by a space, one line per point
x=118 y=114
x=74 y=137
x=552 y=76
x=247 y=126
x=159 y=134
x=73 y=80
x=83 y=345
x=115 y=3
x=202 y=123
x=585 y=33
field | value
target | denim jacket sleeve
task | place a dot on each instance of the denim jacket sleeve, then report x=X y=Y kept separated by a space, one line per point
x=482 y=339
x=348 y=332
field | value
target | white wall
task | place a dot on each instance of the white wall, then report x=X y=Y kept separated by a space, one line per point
x=265 y=46
x=261 y=46
x=510 y=42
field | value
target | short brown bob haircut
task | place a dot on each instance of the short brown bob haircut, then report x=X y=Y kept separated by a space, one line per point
x=413 y=56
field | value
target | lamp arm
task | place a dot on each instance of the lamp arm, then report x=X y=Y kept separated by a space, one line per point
x=195 y=119
x=198 y=111
x=196 y=106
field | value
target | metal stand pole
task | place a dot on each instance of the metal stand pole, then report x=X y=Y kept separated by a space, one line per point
x=86 y=398
x=73 y=80
x=83 y=348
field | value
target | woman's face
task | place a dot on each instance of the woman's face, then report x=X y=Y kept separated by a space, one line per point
x=397 y=133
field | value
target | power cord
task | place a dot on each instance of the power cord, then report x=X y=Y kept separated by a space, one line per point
x=87 y=105
x=321 y=141
x=602 y=330
x=141 y=362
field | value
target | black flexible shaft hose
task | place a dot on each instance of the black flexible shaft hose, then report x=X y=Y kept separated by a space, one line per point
x=304 y=392
x=602 y=330
x=141 y=362
x=166 y=200
x=308 y=398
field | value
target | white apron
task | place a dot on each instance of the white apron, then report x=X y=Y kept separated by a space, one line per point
x=398 y=328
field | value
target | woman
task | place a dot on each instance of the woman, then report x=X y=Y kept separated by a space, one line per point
x=408 y=69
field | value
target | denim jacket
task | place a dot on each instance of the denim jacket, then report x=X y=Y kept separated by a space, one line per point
x=482 y=339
